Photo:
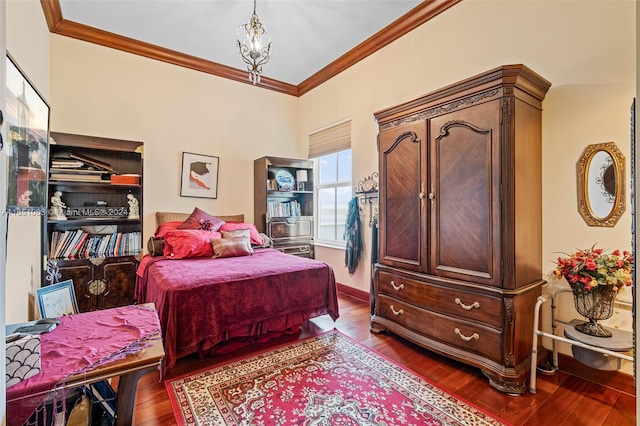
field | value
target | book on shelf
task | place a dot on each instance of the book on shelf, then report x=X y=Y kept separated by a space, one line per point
x=56 y=238
x=66 y=240
x=125 y=179
x=77 y=235
x=92 y=161
x=68 y=177
x=67 y=163
x=78 y=246
x=77 y=171
x=283 y=209
x=62 y=240
x=81 y=245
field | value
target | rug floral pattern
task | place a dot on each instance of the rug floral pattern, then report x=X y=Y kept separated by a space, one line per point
x=325 y=380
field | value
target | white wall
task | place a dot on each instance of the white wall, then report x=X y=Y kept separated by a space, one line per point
x=103 y=92
x=28 y=44
x=586 y=50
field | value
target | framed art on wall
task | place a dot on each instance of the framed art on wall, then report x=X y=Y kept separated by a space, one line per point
x=199 y=176
x=27 y=121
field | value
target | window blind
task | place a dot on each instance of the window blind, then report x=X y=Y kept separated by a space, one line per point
x=331 y=139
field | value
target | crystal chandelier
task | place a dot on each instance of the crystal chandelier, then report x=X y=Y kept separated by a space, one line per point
x=252 y=50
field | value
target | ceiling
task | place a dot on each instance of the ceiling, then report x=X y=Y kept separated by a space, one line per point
x=312 y=40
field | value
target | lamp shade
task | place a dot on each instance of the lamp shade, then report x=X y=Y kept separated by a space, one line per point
x=301 y=176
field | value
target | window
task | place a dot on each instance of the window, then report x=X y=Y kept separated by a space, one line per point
x=333 y=174
x=331 y=149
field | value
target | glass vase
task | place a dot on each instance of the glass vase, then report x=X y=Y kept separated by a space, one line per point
x=594 y=304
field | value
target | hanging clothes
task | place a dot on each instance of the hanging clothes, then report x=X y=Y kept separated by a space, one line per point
x=353 y=236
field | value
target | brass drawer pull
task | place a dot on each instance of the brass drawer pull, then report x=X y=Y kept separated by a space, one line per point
x=467 y=307
x=396 y=313
x=475 y=336
x=395 y=287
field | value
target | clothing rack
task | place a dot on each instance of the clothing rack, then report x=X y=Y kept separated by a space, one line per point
x=367 y=192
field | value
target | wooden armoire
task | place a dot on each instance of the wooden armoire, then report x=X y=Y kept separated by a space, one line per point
x=460 y=250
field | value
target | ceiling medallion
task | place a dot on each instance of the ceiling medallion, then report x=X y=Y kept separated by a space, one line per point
x=252 y=50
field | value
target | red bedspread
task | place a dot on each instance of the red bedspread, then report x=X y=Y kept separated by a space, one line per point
x=202 y=302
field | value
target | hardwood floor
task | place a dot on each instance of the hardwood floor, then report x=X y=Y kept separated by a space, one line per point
x=561 y=399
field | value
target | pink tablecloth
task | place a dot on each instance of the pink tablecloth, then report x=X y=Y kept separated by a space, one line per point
x=81 y=343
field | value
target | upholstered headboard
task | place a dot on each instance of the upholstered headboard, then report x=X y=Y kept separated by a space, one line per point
x=162 y=217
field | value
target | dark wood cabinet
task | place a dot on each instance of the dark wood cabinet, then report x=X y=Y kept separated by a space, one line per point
x=103 y=276
x=101 y=283
x=460 y=256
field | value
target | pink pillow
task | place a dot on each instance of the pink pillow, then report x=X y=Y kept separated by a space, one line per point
x=183 y=243
x=253 y=231
x=200 y=219
x=166 y=227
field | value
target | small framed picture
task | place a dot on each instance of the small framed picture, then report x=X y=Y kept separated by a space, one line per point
x=57 y=300
x=199 y=176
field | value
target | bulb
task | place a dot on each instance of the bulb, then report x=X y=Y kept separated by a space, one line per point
x=255 y=46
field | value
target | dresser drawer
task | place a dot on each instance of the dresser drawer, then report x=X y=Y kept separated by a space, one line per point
x=465 y=335
x=449 y=301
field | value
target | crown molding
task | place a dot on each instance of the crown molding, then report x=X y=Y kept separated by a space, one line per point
x=411 y=20
x=417 y=16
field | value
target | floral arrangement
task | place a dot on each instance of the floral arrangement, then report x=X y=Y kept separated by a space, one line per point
x=592 y=268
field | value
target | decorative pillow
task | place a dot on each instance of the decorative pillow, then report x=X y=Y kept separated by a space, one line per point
x=182 y=243
x=253 y=231
x=230 y=247
x=200 y=219
x=238 y=234
x=155 y=246
x=166 y=227
x=267 y=242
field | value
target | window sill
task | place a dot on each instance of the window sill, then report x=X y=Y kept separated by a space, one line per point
x=329 y=245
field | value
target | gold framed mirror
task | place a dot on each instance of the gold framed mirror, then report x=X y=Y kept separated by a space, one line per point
x=601 y=184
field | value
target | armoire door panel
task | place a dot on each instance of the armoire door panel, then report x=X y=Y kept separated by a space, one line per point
x=465 y=195
x=402 y=161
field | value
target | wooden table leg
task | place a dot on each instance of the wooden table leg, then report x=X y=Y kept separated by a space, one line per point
x=126 y=396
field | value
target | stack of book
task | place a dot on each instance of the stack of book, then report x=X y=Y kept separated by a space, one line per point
x=77 y=244
x=279 y=209
x=79 y=168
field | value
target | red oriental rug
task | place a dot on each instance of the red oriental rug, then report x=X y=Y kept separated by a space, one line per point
x=328 y=379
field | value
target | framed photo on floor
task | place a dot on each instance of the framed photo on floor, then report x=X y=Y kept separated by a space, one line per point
x=199 y=176
x=57 y=300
